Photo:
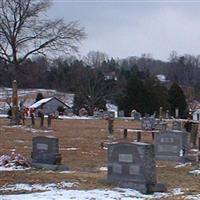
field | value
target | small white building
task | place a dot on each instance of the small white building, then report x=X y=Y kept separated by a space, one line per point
x=196 y=115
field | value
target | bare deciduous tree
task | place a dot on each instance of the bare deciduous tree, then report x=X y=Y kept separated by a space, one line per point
x=24 y=31
x=95 y=58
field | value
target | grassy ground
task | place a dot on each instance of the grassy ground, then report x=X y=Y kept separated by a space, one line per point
x=86 y=136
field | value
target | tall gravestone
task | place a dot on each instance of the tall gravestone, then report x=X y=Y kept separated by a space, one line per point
x=15 y=119
x=194 y=134
x=171 y=145
x=45 y=151
x=132 y=165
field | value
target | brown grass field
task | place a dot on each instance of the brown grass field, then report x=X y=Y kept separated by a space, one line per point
x=86 y=136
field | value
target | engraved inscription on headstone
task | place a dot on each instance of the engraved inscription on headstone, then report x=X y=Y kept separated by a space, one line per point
x=127 y=158
x=117 y=168
x=167 y=148
x=169 y=145
x=134 y=169
x=132 y=165
x=42 y=146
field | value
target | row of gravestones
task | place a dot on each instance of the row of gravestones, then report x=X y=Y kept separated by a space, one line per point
x=170 y=144
x=131 y=165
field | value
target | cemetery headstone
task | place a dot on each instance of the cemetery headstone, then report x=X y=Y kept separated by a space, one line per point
x=160 y=125
x=32 y=119
x=110 y=124
x=176 y=125
x=15 y=119
x=45 y=152
x=49 y=121
x=98 y=113
x=171 y=145
x=125 y=133
x=167 y=114
x=193 y=135
x=132 y=165
x=41 y=119
x=135 y=115
x=121 y=113
x=176 y=113
x=148 y=123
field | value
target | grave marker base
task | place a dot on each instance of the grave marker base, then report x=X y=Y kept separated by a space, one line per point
x=50 y=167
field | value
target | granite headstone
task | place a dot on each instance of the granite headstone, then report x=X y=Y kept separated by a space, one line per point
x=45 y=150
x=132 y=165
x=176 y=125
x=148 y=123
x=171 y=145
x=136 y=115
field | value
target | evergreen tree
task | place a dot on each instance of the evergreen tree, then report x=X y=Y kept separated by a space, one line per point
x=156 y=95
x=177 y=100
x=39 y=97
x=134 y=94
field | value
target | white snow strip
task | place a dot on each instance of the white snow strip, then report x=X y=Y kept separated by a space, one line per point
x=67 y=172
x=28 y=129
x=103 y=169
x=19 y=141
x=18 y=168
x=182 y=165
x=177 y=191
x=193 y=197
x=76 y=117
x=36 y=187
x=69 y=149
x=195 y=172
x=3 y=115
x=97 y=194
x=56 y=191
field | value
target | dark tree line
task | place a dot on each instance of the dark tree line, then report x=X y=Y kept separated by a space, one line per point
x=111 y=81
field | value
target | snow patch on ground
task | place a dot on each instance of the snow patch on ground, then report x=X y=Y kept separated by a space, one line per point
x=193 y=197
x=69 y=149
x=177 y=191
x=103 y=169
x=38 y=187
x=63 y=191
x=3 y=115
x=28 y=129
x=195 y=172
x=19 y=141
x=13 y=168
x=58 y=193
x=67 y=172
x=76 y=117
x=182 y=165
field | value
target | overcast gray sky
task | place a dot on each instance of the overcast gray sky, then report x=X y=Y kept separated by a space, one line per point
x=131 y=28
